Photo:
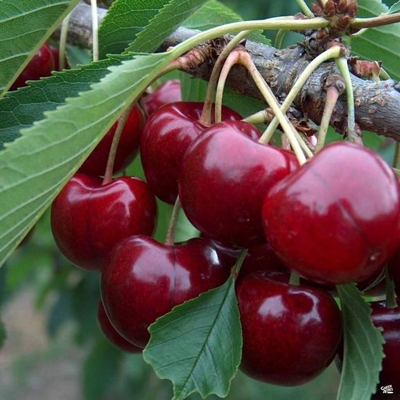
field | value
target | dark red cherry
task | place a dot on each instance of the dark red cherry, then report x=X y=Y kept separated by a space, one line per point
x=290 y=333
x=41 y=65
x=168 y=92
x=128 y=146
x=88 y=219
x=337 y=218
x=168 y=133
x=143 y=280
x=389 y=320
x=224 y=178
x=111 y=334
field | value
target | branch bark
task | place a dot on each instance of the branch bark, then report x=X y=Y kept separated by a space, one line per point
x=377 y=105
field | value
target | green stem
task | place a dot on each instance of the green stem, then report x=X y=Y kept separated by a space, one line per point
x=170 y=237
x=294 y=279
x=384 y=19
x=114 y=145
x=260 y=117
x=239 y=263
x=304 y=7
x=212 y=84
x=63 y=41
x=333 y=52
x=279 y=38
x=332 y=95
x=351 y=117
x=95 y=30
x=390 y=292
x=396 y=156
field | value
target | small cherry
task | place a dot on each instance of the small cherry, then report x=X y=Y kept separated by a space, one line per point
x=89 y=218
x=41 y=65
x=128 y=146
x=111 y=334
x=328 y=222
x=143 y=280
x=167 y=92
x=290 y=333
x=168 y=133
x=224 y=178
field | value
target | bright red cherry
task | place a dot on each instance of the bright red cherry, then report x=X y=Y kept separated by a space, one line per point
x=337 y=218
x=224 y=178
x=143 y=280
x=41 y=65
x=111 y=334
x=168 y=133
x=128 y=146
x=389 y=320
x=88 y=219
x=290 y=333
x=168 y=92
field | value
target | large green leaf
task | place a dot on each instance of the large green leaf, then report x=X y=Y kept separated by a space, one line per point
x=124 y=20
x=34 y=168
x=164 y=23
x=24 y=26
x=20 y=109
x=198 y=345
x=363 y=347
x=378 y=43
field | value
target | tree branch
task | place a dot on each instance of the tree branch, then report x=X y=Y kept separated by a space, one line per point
x=377 y=104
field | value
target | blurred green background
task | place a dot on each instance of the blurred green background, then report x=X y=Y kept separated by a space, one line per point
x=54 y=349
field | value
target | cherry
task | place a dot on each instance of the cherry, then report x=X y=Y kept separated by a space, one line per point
x=328 y=222
x=224 y=178
x=128 y=146
x=394 y=270
x=168 y=92
x=143 y=280
x=111 y=334
x=41 y=65
x=290 y=333
x=389 y=320
x=168 y=133
x=88 y=218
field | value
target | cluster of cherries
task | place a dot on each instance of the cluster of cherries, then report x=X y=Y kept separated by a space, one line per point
x=334 y=220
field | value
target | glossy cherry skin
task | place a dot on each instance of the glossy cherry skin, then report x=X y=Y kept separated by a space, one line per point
x=389 y=320
x=111 y=334
x=167 y=92
x=88 y=219
x=336 y=218
x=168 y=133
x=224 y=178
x=143 y=280
x=128 y=146
x=41 y=65
x=290 y=333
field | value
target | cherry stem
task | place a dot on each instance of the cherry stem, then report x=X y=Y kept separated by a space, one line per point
x=95 y=30
x=259 y=117
x=396 y=156
x=271 y=100
x=114 y=145
x=238 y=264
x=333 y=52
x=390 y=292
x=170 y=236
x=205 y=118
x=341 y=62
x=373 y=22
x=63 y=41
x=279 y=38
x=332 y=95
x=294 y=279
x=304 y=7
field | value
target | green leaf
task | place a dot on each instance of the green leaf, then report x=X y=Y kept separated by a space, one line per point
x=34 y=168
x=395 y=8
x=20 y=109
x=163 y=24
x=124 y=20
x=198 y=345
x=24 y=26
x=378 y=43
x=213 y=14
x=3 y=334
x=363 y=347
x=101 y=370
